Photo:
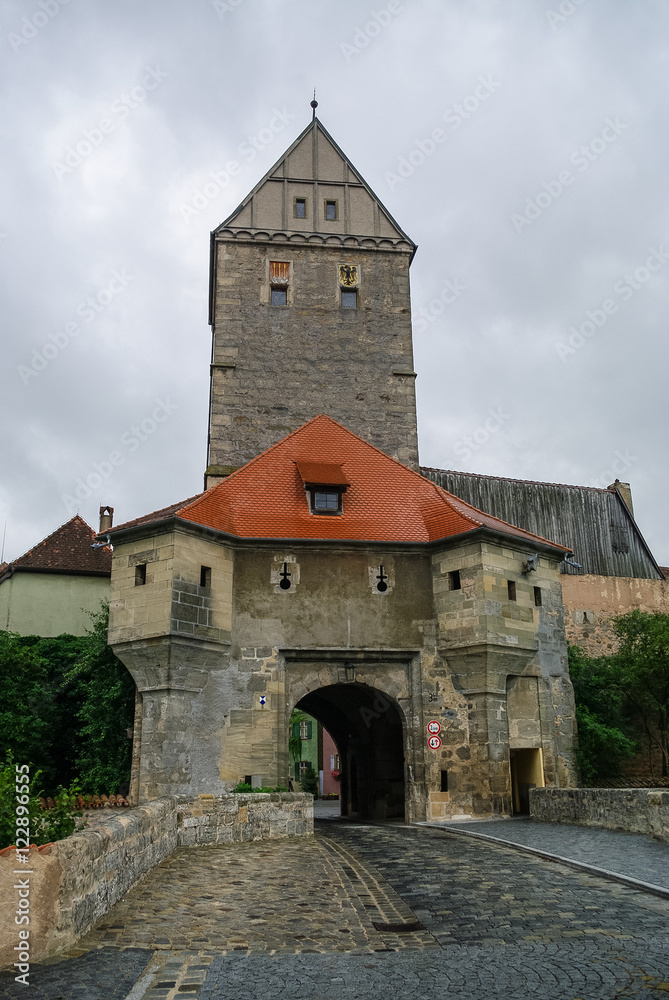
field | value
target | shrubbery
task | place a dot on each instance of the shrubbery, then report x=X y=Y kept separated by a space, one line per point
x=44 y=825
x=65 y=705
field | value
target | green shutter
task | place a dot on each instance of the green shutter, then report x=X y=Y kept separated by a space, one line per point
x=297 y=771
x=296 y=729
x=308 y=730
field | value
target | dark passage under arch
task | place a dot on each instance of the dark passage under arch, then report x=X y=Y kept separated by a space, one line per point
x=367 y=727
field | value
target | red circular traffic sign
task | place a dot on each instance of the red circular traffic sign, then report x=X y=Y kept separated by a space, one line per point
x=434 y=727
x=434 y=742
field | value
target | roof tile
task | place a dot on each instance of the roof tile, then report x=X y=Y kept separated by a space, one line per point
x=385 y=501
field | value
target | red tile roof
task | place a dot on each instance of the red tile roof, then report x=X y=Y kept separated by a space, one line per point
x=67 y=550
x=385 y=501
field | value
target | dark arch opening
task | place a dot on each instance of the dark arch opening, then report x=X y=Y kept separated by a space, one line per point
x=366 y=725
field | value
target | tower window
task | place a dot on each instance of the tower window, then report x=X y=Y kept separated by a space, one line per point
x=511 y=589
x=300 y=208
x=140 y=575
x=454 y=580
x=349 y=299
x=205 y=576
x=279 y=276
x=537 y=597
x=331 y=211
x=444 y=781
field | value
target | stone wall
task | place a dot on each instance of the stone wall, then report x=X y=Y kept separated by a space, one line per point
x=74 y=882
x=591 y=601
x=635 y=810
x=275 y=367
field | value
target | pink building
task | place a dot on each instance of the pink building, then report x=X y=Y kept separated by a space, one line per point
x=330 y=763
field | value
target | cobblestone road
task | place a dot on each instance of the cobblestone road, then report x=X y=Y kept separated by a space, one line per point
x=629 y=854
x=305 y=919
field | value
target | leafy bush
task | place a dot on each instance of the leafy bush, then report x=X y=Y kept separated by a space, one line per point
x=309 y=782
x=244 y=786
x=601 y=750
x=66 y=703
x=45 y=825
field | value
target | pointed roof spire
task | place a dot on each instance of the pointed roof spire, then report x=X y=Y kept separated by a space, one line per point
x=314 y=105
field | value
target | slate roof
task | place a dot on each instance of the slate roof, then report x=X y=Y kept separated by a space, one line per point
x=67 y=550
x=385 y=501
x=595 y=523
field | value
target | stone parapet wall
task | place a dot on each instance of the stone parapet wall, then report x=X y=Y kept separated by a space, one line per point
x=74 y=882
x=634 y=810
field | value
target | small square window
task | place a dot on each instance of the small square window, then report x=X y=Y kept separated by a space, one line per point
x=140 y=575
x=326 y=503
x=302 y=767
x=349 y=300
x=454 y=580
x=331 y=213
x=511 y=589
x=205 y=576
x=279 y=297
x=300 y=208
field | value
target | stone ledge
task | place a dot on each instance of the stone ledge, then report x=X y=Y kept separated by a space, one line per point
x=633 y=810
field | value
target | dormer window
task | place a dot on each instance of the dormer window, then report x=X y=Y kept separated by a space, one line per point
x=323 y=502
x=325 y=484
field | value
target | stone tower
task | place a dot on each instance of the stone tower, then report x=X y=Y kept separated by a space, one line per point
x=310 y=311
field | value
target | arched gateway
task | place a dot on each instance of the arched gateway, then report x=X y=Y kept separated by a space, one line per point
x=364 y=705
x=367 y=727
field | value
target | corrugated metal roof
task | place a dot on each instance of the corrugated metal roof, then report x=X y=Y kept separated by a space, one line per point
x=595 y=523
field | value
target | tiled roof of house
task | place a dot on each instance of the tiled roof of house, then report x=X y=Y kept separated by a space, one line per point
x=385 y=501
x=67 y=550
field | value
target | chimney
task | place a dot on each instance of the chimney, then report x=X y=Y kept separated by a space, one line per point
x=625 y=492
x=106 y=519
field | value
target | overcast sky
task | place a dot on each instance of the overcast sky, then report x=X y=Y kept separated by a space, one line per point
x=522 y=144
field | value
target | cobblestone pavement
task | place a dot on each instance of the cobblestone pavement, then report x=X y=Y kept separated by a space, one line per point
x=295 y=920
x=629 y=854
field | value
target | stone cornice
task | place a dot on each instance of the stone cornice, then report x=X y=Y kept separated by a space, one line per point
x=344 y=241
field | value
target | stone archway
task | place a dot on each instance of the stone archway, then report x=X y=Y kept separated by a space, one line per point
x=367 y=726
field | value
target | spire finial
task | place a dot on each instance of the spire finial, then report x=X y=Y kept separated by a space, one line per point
x=314 y=105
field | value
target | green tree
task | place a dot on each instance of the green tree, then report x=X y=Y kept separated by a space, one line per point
x=107 y=705
x=605 y=737
x=641 y=675
x=65 y=705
